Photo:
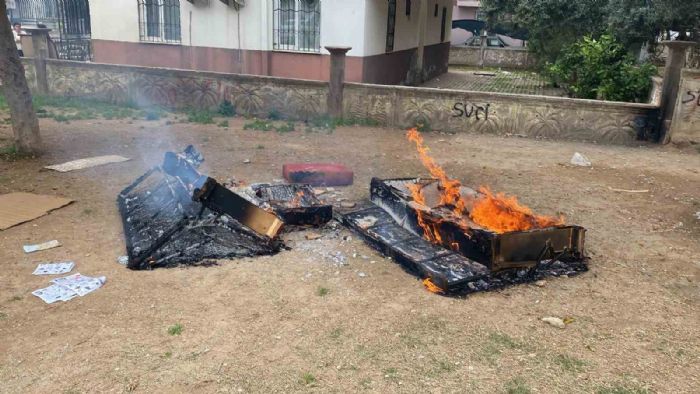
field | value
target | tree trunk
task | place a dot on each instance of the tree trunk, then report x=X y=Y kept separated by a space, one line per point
x=25 y=124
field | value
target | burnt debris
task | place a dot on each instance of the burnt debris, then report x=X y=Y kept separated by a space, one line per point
x=296 y=204
x=465 y=259
x=174 y=215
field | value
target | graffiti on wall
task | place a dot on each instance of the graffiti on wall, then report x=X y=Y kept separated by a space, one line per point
x=691 y=97
x=469 y=110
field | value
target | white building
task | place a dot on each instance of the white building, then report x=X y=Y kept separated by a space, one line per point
x=283 y=38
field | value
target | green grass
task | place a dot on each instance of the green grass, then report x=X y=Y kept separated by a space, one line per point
x=322 y=291
x=259 y=125
x=200 y=116
x=308 y=379
x=167 y=354
x=569 y=363
x=10 y=153
x=87 y=211
x=223 y=123
x=265 y=125
x=391 y=373
x=260 y=146
x=517 y=386
x=621 y=389
x=504 y=340
x=16 y=298
x=175 y=329
x=336 y=333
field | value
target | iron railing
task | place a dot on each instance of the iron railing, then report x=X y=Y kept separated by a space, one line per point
x=74 y=28
x=296 y=25
x=69 y=21
x=159 y=21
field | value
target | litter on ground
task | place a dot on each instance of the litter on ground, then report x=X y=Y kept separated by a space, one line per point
x=80 y=284
x=17 y=208
x=87 y=163
x=41 y=246
x=54 y=268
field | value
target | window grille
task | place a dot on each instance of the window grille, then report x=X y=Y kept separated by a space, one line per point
x=297 y=25
x=159 y=21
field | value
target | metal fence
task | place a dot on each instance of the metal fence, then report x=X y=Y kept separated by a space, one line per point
x=159 y=21
x=296 y=25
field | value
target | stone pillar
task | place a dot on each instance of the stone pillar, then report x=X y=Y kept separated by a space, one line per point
x=675 y=61
x=415 y=75
x=335 y=85
x=482 y=48
x=40 y=48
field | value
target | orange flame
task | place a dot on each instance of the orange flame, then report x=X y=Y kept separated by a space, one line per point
x=450 y=195
x=502 y=214
x=498 y=213
x=432 y=287
x=430 y=231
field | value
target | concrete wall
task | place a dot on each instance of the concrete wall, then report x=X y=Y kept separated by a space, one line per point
x=515 y=58
x=685 y=126
x=396 y=106
x=183 y=89
x=501 y=114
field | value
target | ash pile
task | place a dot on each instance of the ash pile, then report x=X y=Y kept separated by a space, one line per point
x=174 y=215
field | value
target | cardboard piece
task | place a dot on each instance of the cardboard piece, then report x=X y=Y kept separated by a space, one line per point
x=87 y=163
x=17 y=208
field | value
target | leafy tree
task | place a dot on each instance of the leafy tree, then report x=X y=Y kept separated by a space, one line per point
x=556 y=24
x=25 y=124
x=682 y=16
x=601 y=69
x=552 y=24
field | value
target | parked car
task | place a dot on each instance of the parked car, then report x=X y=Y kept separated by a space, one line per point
x=491 y=41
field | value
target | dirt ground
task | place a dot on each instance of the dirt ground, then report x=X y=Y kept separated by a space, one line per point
x=264 y=325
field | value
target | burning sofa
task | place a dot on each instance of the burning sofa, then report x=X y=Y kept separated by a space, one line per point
x=464 y=240
x=175 y=215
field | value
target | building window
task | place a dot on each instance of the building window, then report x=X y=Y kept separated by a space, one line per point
x=408 y=7
x=391 y=26
x=480 y=15
x=435 y=13
x=296 y=25
x=159 y=21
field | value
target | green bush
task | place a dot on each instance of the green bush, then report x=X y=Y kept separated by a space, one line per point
x=227 y=109
x=601 y=69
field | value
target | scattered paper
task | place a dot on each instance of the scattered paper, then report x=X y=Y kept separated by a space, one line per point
x=580 y=160
x=87 y=163
x=42 y=246
x=123 y=260
x=80 y=284
x=54 y=268
x=17 y=208
x=55 y=293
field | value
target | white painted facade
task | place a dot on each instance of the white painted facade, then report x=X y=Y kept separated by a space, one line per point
x=360 y=24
